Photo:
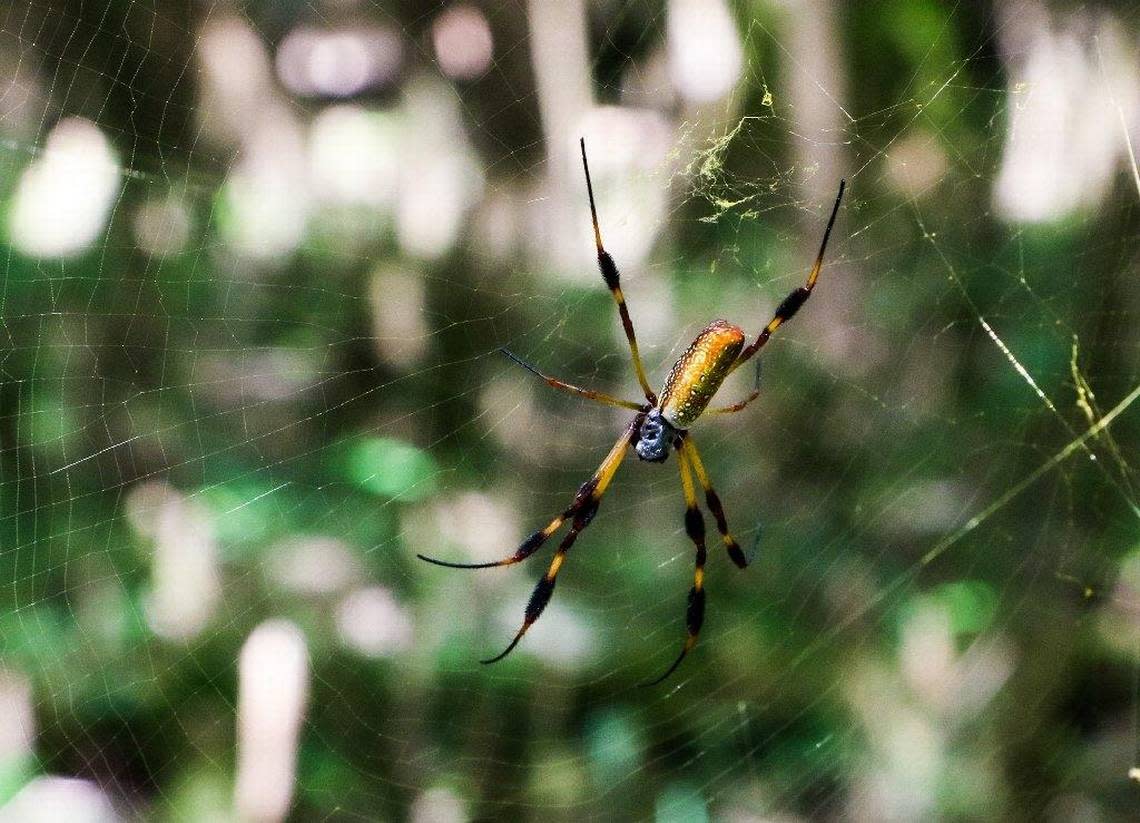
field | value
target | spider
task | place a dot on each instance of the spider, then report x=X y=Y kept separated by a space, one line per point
x=661 y=424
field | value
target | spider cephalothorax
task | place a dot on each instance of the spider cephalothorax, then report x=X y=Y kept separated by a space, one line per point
x=659 y=426
x=655 y=438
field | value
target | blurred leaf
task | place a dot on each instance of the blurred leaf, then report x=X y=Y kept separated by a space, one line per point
x=613 y=746
x=245 y=511
x=680 y=803
x=970 y=604
x=15 y=772
x=391 y=468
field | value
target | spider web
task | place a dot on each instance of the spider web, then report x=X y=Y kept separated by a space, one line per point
x=258 y=261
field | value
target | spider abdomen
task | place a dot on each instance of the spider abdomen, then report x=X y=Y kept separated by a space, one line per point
x=698 y=373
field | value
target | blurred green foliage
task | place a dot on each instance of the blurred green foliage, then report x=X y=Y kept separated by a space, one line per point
x=861 y=456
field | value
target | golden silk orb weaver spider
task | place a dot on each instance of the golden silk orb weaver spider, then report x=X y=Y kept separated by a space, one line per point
x=661 y=424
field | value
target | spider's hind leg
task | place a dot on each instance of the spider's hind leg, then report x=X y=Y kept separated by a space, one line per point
x=712 y=500
x=695 y=528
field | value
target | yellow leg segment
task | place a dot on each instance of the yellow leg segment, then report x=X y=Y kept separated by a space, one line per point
x=695 y=528
x=712 y=500
x=791 y=304
x=583 y=509
x=613 y=280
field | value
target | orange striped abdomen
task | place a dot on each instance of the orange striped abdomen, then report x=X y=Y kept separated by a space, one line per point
x=698 y=373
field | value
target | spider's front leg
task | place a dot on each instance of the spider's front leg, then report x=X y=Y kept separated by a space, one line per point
x=791 y=304
x=562 y=385
x=610 y=274
x=589 y=493
x=741 y=405
x=583 y=509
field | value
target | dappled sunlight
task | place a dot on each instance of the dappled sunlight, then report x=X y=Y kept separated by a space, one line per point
x=705 y=56
x=296 y=296
x=339 y=62
x=18 y=731
x=1075 y=95
x=273 y=690
x=462 y=41
x=64 y=197
x=49 y=799
x=371 y=622
x=185 y=584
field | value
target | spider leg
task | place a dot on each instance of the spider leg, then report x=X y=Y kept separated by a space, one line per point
x=588 y=494
x=583 y=509
x=528 y=547
x=589 y=394
x=735 y=407
x=613 y=280
x=695 y=528
x=712 y=500
x=791 y=304
x=540 y=597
